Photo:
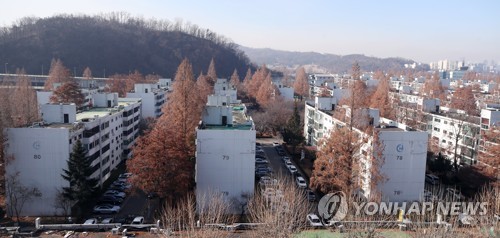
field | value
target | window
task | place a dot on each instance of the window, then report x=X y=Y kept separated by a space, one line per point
x=445 y=122
x=437 y=120
x=437 y=129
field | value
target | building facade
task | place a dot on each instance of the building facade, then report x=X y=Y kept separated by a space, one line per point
x=42 y=150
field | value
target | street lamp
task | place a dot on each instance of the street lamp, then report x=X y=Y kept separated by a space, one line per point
x=6 y=68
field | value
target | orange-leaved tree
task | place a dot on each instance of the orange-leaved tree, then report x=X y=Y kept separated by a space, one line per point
x=57 y=74
x=163 y=157
x=267 y=92
x=380 y=99
x=211 y=73
x=235 y=80
x=337 y=162
x=69 y=92
x=301 y=84
x=464 y=99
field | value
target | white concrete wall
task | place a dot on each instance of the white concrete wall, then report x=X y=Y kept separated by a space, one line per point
x=212 y=115
x=40 y=157
x=225 y=162
x=148 y=107
x=101 y=99
x=43 y=97
x=405 y=159
x=54 y=113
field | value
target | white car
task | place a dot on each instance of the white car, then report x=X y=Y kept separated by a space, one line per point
x=301 y=182
x=314 y=220
x=106 y=209
x=276 y=143
x=292 y=169
x=107 y=220
x=90 y=221
x=288 y=163
x=137 y=221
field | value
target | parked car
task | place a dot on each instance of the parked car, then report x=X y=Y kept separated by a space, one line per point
x=261 y=161
x=125 y=175
x=275 y=143
x=311 y=197
x=106 y=209
x=263 y=167
x=137 y=221
x=301 y=182
x=262 y=172
x=431 y=179
x=281 y=152
x=90 y=221
x=288 y=163
x=285 y=158
x=257 y=156
x=314 y=220
x=292 y=169
x=107 y=220
x=259 y=150
x=115 y=193
x=111 y=199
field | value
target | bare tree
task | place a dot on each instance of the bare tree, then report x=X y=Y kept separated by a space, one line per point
x=280 y=208
x=18 y=194
x=117 y=83
x=190 y=219
x=24 y=103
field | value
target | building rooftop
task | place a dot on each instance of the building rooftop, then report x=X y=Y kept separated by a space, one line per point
x=95 y=113
x=240 y=120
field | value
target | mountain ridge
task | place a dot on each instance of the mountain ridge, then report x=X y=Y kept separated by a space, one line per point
x=332 y=62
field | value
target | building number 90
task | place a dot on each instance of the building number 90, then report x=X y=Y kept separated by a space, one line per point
x=37 y=157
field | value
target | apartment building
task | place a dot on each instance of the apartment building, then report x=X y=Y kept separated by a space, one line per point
x=451 y=132
x=404 y=150
x=225 y=151
x=42 y=150
x=153 y=96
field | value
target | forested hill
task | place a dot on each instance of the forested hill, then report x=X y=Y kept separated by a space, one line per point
x=334 y=63
x=115 y=43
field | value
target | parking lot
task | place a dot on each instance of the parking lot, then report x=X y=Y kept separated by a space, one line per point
x=136 y=203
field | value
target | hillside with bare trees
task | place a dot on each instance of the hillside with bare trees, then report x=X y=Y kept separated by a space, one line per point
x=115 y=43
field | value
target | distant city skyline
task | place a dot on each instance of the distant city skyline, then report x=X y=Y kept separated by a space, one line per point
x=425 y=31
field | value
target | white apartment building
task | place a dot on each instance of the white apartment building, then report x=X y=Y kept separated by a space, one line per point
x=223 y=87
x=404 y=161
x=225 y=152
x=405 y=150
x=153 y=97
x=41 y=151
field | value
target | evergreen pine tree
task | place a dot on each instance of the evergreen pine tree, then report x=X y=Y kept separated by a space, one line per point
x=81 y=186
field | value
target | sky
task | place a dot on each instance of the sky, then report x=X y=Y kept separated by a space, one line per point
x=423 y=30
